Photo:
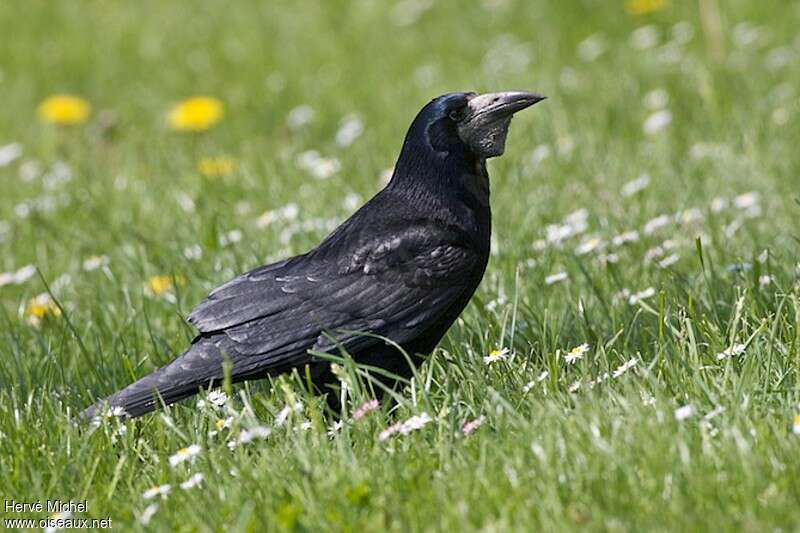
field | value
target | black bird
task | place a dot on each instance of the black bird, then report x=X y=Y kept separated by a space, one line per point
x=402 y=267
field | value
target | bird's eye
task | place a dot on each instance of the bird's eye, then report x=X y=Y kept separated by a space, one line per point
x=456 y=114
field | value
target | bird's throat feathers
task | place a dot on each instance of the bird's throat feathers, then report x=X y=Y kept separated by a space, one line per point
x=430 y=175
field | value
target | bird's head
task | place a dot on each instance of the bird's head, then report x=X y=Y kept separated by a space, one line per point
x=477 y=123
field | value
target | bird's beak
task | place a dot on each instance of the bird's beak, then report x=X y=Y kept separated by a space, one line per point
x=489 y=107
x=485 y=126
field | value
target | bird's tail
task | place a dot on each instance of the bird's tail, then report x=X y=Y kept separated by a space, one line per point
x=199 y=367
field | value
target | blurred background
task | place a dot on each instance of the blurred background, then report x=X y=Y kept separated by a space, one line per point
x=151 y=150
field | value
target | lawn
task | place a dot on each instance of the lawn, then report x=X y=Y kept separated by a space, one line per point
x=630 y=361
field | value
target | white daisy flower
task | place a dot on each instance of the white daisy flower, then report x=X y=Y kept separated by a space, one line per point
x=625 y=237
x=576 y=353
x=193 y=481
x=300 y=116
x=656 y=223
x=218 y=398
x=656 y=122
x=496 y=355
x=684 y=412
x=555 y=278
x=284 y=413
x=335 y=428
x=414 y=423
x=637 y=297
x=733 y=351
x=18 y=276
x=349 y=130
x=184 y=454
x=158 y=490
x=634 y=186
x=624 y=367
x=147 y=515
x=248 y=435
x=94 y=262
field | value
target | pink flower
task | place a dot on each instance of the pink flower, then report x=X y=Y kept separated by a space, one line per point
x=471 y=426
x=366 y=407
x=388 y=432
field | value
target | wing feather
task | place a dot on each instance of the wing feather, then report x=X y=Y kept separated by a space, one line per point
x=394 y=287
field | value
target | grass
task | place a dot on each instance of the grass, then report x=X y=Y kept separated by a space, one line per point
x=611 y=455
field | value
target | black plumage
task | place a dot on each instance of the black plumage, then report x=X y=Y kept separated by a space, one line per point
x=403 y=267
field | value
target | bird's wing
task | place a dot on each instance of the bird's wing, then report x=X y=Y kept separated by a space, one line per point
x=394 y=286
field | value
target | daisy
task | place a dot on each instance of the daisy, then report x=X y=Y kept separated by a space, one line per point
x=746 y=200
x=495 y=356
x=637 y=297
x=257 y=432
x=115 y=412
x=56 y=519
x=299 y=116
x=634 y=186
x=733 y=351
x=669 y=261
x=555 y=278
x=350 y=129
x=285 y=412
x=193 y=481
x=404 y=428
x=624 y=367
x=40 y=308
x=625 y=237
x=656 y=223
x=218 y=398
x=147 y=515
x=335 y=428
x=158 y=490
x=94 y=262
x=796 y=425
x=184 y=454
x=223 y=423
x=684 y=412
x=576 y=353
x=9 y=152
x=17 y=277
x=318 y=166
x=414 y=423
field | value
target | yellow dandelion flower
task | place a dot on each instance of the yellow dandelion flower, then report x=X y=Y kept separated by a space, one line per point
x=41 y=307
x=198 y=113
x=215 y=167
x=644 y=7
x=159 y=285
x=64 y=109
